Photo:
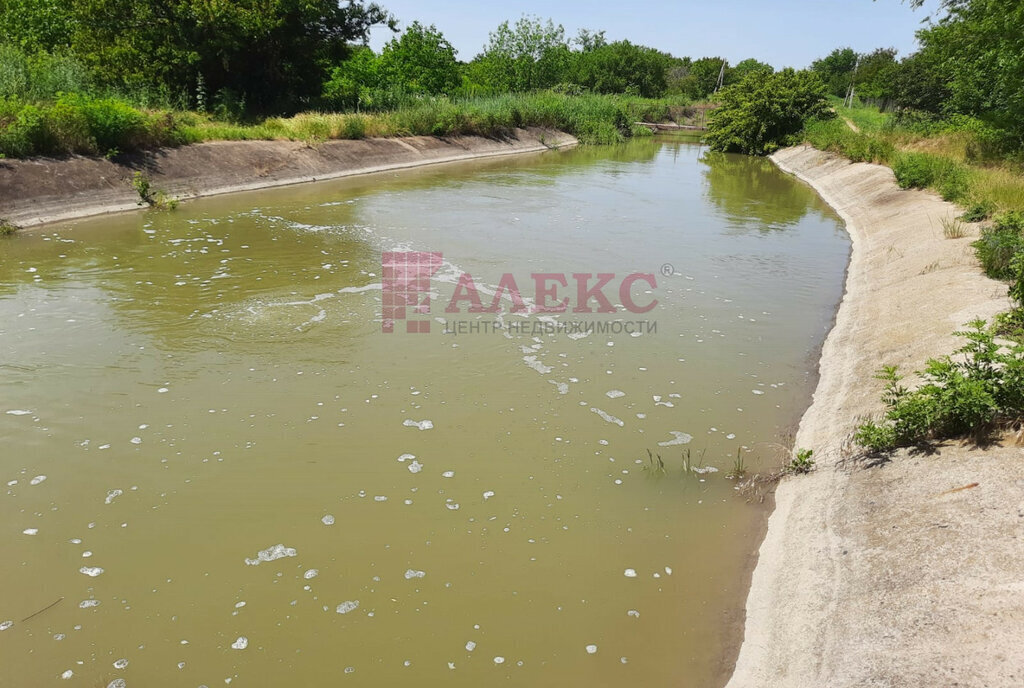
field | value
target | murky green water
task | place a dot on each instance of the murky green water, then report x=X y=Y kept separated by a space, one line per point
x=200 y=386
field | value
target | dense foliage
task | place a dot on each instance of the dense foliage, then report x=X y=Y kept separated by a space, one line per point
x=766 y=111
x=962 y=395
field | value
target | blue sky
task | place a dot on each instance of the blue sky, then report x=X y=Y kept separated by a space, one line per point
x=781 y=32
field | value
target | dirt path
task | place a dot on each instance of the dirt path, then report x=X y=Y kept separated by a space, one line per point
x=42 y=190
x=879 y=576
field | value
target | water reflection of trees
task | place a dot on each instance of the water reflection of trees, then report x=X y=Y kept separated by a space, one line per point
x=753 y=194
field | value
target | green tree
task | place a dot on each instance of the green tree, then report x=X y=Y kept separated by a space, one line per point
x=36 y=25
x=979 y=49
x=750 y=65
x=352 y=80
x=529 y=55
x=622 y=67
x=421 y=61
x=875 y=73
x=836 y=70
x=702 y=77
x=762 y=113
x=273 y=54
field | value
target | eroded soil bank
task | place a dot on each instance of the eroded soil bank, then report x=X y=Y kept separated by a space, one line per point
x=42 y=190
x=879 y=575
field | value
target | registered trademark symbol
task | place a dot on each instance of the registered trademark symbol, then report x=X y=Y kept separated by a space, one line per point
x=667 y=269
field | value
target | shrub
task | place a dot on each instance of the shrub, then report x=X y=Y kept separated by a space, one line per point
x=914 y=170
x=978 y=212
x=1000 y=243
x=765 y=112
x=801 y=462
x=962 y=395
x=921 y=170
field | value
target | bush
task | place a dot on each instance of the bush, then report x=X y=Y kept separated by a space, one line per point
x=965 y=395
x=978 y=211
x=765 y=112
x=921 y=170
x=1000 y=243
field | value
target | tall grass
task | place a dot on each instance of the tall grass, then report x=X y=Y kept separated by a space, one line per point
x=964 y=160
x=76 y=123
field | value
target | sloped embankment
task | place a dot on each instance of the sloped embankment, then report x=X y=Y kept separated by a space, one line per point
x=42 y=190
x=882 y=576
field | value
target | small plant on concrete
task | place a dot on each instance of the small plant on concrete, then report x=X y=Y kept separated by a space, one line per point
x=6 y=228
x=953 y=228
x=801 y=462
x=154 y=199
x=966 y=394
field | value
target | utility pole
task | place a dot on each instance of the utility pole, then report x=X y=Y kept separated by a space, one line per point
x=853 y=81
x=721 y=76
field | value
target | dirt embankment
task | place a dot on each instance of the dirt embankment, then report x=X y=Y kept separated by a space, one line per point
x=879 y=575
x=42 y=190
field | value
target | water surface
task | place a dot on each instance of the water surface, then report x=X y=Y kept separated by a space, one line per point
x=201 y=386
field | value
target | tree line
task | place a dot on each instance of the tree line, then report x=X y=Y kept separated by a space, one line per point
x=260 y=58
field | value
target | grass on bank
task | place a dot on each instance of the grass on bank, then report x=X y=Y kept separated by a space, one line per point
x=962 y=158
x=980 y=387
x=88 y=125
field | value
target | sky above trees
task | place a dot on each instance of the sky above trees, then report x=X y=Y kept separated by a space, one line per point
x=784 y=33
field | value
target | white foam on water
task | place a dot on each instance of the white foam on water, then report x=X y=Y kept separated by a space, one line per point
x=36 y=480
x=757 y=391
x=91 y=571
x=241 y=643
x=278 y=551
x=121 y=663
x=112 y=495
x=629 y=573
x=634 y=613
x=415 y=467
x=67 y=674
x=679 y=437
x=405 y=457
x=327 y=520
x=347 y=606
x=5 y=625
x=19 y=412
x=136 y=440
x=412 y=573
x=30 y=531
x=614 y=393
x=499 y=660
x=85 y=604
x=606 y=416
x=448 y=474
x=118 y=683
x=380 y=498
x=668 y=570
x=488 y=494
x=470 y=646
x=704 y=469
x=421 y=424
x=562 y=387
x=532 y=362
x=591 y=649
x=312 y=573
